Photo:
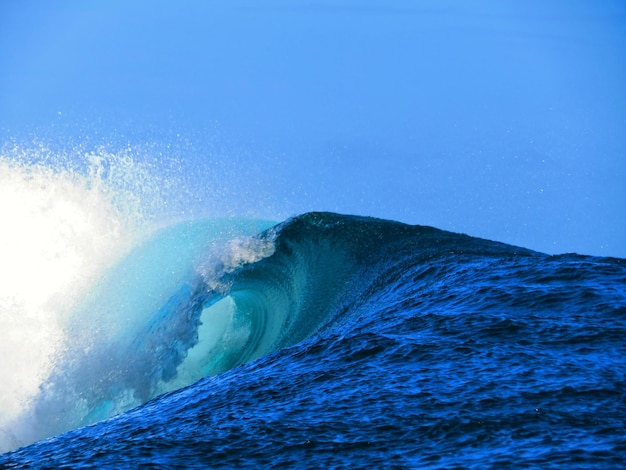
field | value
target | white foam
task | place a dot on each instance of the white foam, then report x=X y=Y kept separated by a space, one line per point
x=60 y=227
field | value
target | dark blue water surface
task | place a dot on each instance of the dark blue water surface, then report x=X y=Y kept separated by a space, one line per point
x=374 y=344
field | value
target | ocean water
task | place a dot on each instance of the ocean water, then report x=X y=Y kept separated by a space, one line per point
x=168 y=300
x=324 y=340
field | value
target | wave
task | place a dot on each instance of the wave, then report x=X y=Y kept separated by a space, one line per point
x=375 y=340
x=200 y=297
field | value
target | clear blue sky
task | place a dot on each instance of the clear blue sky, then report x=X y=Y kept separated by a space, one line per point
x=501 y=119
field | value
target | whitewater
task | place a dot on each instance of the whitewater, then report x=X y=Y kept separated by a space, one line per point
x=59 y=231
x=134 y=336
x=68 y=293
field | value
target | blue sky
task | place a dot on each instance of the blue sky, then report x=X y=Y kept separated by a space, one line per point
x=500 y=119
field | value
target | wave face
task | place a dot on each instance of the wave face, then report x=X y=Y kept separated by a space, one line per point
x=334 y=340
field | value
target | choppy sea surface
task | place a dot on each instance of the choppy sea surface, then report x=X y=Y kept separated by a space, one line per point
x=333 y=341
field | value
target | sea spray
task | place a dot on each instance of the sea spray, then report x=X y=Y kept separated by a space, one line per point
x=65 y=217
